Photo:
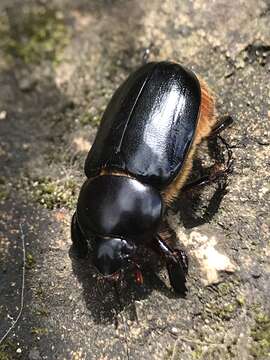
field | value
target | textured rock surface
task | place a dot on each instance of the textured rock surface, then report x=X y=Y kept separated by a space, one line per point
x=60 y=61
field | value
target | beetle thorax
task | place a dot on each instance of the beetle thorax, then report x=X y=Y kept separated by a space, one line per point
x=119 y=206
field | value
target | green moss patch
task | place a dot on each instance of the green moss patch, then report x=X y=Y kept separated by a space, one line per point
x=6 y=349
x=33 y=34
x=39 y=331
x=54 y=194
x=222 y=311
x=261 y=336
x=30 y=261
x=88 y=118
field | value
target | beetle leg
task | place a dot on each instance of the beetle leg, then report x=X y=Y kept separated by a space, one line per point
x=221 y=125
x=218 y=171
x=216 y=174
x=138 y=274
x=177 y=267
x=79 y=241
x=176 y=262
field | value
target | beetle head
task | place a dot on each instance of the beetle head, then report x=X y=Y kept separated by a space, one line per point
x=112 y=254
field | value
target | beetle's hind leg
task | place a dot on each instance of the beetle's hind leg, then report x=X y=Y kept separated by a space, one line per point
x=222 y=124
x=176 y=259
x=80 y=246
x=219 y=170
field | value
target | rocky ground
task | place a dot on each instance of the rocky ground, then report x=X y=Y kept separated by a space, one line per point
x=60 y=62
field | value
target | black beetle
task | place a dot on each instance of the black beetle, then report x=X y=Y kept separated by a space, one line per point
x=140 y=160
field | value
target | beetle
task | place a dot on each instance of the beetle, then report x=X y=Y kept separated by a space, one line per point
x=138 y=164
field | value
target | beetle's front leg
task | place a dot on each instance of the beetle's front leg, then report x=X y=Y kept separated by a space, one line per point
x=176 y=261
x=79 y=241
x=177 y=266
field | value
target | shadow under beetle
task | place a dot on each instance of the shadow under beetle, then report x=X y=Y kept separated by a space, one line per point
x=140 y=160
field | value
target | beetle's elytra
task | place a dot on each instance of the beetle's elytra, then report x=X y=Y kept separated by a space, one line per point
x=139 y=162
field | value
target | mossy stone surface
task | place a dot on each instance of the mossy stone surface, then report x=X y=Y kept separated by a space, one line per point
x=60 y=63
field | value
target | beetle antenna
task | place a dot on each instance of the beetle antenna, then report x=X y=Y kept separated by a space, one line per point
x=122 y=317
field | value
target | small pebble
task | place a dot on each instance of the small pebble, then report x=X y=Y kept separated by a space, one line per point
x=3 y=115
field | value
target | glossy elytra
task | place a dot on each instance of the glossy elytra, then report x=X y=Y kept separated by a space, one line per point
x=139 y=162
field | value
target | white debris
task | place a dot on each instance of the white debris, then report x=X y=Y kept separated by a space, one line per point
x=201 y=243
x=81 y=144
x=3 y=115
x=210 y=259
